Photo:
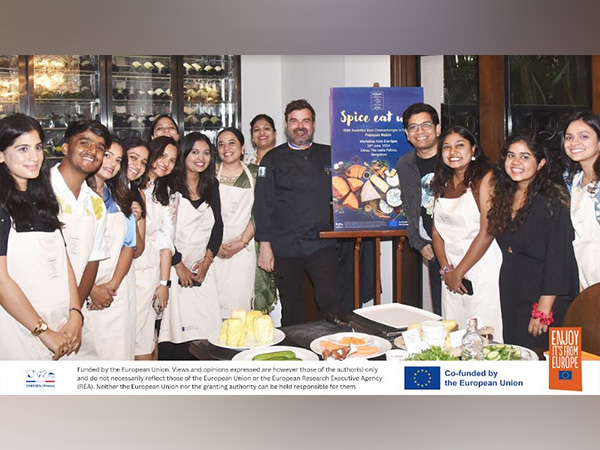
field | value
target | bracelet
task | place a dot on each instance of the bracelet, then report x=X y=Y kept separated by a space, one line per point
x=80 y=313
x=545 y=319
x=447 y=268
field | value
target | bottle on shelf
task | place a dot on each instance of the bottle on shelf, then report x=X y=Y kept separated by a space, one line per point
x=137 y=66
x=472 y=342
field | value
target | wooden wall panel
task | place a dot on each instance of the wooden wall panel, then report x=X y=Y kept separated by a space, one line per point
x=492 y=104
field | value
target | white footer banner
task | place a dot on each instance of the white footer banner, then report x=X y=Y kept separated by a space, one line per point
x=350 y=377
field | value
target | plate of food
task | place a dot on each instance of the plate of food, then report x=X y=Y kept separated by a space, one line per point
x=373 y=349
x=277 y=353
x=249 y=341
x=351 y=338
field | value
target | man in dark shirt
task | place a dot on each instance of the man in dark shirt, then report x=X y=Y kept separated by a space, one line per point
x=291 y=207
x=415 y=169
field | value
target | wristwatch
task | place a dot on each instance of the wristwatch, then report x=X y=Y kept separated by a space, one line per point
x=166 y=283
x=39 y=328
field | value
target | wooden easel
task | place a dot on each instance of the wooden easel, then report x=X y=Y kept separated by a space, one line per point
x=397 y=236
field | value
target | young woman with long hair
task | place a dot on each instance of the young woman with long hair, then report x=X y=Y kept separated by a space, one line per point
x=193 y=311
x=462 y=245
x=529 y=216
x=581 y=145
x=153 y=266
x=111 y=309
x=40 y=317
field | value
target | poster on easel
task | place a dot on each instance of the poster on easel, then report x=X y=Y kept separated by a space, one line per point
x=367 y=140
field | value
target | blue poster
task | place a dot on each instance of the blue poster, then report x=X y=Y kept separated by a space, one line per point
x=367 y=140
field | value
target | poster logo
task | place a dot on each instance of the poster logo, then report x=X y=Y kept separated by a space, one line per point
x=565 y=358
x=39 y=379
x=426 y=378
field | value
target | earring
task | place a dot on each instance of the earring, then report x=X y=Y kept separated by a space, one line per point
x=473 y=158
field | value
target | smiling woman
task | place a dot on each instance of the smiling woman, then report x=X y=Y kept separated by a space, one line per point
x=462 y=245
x=530 y=219
x=153 y=267
x=237 y=253
x=31 y=242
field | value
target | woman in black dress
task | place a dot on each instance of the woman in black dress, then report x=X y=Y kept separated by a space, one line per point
x=530 y=218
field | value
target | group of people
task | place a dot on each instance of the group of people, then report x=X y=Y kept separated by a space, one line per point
x=125 y=242
x=511 y=243
x=128 y=243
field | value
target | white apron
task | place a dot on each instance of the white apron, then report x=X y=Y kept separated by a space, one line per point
x=236 y=210
x=193 y=312
x=114 y=327
x=37 y=263
x=147 y=276
x=79 y=234
x=457 y=220
x=587 y=236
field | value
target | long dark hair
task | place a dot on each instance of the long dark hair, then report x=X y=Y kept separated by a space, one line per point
x=40 y=188
x=476 y=169
x=207 y=178
x=118 y=185
x=572 y=167
x=135 y=186
x=163 y=186
x=545 y=182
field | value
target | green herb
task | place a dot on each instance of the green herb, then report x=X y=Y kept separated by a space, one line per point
x=434 y=353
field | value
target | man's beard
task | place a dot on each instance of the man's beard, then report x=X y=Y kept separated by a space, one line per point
x=299 y=141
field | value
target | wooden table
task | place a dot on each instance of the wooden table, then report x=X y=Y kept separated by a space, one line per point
x=397 y=236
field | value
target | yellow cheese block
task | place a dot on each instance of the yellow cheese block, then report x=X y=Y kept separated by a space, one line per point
x=236 y=332
x=263 y=329
x=250 y=316
x=239 y=314
x=450 y=325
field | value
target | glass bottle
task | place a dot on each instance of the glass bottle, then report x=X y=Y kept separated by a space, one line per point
x=472 y=342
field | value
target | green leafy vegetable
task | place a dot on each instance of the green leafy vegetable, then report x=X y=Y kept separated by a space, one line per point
x=434 y=353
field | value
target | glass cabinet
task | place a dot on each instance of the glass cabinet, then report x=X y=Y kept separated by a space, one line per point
x=9 y=85
x=63 y=88
x=124 y=92
x=209 y=93
x=142 y=89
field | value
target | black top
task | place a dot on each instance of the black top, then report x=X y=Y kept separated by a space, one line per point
x=537 y=259
x=6 y=222
x=426 y=167
x=292 y=202
x=216 y=235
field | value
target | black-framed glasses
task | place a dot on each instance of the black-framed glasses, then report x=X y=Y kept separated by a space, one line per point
x=425 y=126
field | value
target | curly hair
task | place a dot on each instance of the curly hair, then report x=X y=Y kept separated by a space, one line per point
x=572 y=167
x=476 y=169
x=545 y=182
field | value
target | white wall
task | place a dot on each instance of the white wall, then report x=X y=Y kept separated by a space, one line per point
x=270 y=82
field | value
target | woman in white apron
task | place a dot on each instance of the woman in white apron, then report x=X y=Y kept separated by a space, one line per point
x=40 y=317
x=461 y=242
x=153 y=266
x=236 y=258
x=193 y=311
x=582 y=146
x=111 y=313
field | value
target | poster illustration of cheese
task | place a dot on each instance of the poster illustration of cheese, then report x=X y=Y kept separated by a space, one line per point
x=367 y=140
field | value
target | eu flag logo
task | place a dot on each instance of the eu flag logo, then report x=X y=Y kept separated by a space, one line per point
x=421 y=377
x=565 y=375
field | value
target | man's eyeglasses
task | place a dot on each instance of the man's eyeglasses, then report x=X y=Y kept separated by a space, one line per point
x=425 y=126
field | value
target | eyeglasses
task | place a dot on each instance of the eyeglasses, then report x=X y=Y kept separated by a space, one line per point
x=425 y=126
